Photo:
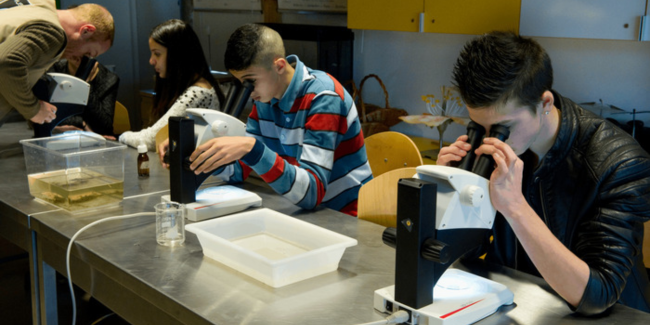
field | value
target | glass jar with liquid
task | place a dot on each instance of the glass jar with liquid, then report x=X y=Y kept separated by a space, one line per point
x=143 y=161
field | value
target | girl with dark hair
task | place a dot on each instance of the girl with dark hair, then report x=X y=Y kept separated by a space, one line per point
x=183 y=79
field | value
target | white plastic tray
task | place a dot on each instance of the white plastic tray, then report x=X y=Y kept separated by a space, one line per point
x=271 y=247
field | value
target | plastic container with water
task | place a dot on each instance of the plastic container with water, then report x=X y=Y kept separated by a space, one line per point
x=271 y=247
x=75 y=172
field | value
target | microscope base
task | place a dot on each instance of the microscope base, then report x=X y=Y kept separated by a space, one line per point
x=458 y=298
x=217 y=201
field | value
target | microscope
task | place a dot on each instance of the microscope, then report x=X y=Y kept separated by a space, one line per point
x=442 y=214
x=68 y=93
x=185 y=134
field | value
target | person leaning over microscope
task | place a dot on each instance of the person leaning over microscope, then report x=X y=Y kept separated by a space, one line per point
x=304 y=135
x=572 y=190
x=33 y=36
x=99 y=113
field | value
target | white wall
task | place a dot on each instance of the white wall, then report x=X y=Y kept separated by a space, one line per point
x=415 y=64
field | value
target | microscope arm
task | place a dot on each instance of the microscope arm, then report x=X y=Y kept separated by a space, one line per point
x=70 y=93
x=185 y=134
x=441 y=215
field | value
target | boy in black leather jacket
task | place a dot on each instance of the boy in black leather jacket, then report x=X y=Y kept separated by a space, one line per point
x=572 y=190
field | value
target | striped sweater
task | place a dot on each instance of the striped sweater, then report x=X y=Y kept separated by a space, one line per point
x=309 y=147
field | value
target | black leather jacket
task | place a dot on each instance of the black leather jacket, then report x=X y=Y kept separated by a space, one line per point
x=592 y=189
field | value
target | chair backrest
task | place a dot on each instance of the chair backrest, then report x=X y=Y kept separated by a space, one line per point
x=162 y=135
x=121 y=122
x=646 y=245
x=378 y=198
x=391 y=150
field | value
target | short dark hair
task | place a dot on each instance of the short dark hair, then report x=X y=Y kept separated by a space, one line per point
x=252 y=44
x=500 y=66
x=186 y=64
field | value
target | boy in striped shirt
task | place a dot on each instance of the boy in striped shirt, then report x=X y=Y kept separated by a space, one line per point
x=303 y=135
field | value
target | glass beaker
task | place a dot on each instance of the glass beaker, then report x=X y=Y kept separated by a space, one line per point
x=170 y=224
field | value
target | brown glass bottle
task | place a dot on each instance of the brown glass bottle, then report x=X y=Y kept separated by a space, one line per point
x=143 y=161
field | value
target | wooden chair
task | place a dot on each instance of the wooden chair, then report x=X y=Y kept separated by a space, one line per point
x=391 y=150
x=121 y=122
x=646 y=245
x=378 y=198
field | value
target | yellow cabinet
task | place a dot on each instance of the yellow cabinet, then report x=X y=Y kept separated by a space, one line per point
x=471 y=16
x=435 y=16
x=403 y=15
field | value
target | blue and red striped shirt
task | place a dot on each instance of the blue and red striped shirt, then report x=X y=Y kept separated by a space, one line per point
x=309 y=148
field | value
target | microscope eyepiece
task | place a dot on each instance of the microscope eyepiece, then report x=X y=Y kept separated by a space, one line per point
x=500 y=132
x=475 y=133
x=485 y=164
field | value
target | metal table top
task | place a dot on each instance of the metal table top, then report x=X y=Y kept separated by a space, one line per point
x=197 y=290
x=120 y=263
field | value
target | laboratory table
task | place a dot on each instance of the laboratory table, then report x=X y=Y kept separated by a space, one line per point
x=17 y=206
x=120 y=264
x=18 y=209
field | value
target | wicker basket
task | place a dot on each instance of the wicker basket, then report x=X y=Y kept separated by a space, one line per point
x=375 y=119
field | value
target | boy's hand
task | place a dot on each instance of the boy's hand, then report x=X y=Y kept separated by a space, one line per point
x=506 y=180
x=162 y=150
x=218 y=152
x=454 y=152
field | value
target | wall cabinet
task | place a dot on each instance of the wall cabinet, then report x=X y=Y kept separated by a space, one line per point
x=400 y=16
x=435 y=16
x=599 y=19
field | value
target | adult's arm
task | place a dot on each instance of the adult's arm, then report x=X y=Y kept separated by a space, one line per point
x=33 y=45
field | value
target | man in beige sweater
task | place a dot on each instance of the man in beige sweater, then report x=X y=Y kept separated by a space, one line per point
x=33 y=36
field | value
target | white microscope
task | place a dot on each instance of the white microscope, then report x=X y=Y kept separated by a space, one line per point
x=442 y=214
x=185 y=134
x=69 y=92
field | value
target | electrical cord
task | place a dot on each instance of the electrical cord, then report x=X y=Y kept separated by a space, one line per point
x=67 y=256
x=398 y=317
x=102 y=318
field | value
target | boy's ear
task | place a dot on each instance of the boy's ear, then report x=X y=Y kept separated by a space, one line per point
x=547 y=101
x=280 y=65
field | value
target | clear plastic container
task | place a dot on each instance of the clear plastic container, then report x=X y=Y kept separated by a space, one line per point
x=75 y=172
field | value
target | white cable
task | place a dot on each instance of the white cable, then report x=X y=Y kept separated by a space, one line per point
x=398 y=317
x=102 y=318
x=67 y=256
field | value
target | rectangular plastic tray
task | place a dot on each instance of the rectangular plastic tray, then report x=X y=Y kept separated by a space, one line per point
x=271 y=247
